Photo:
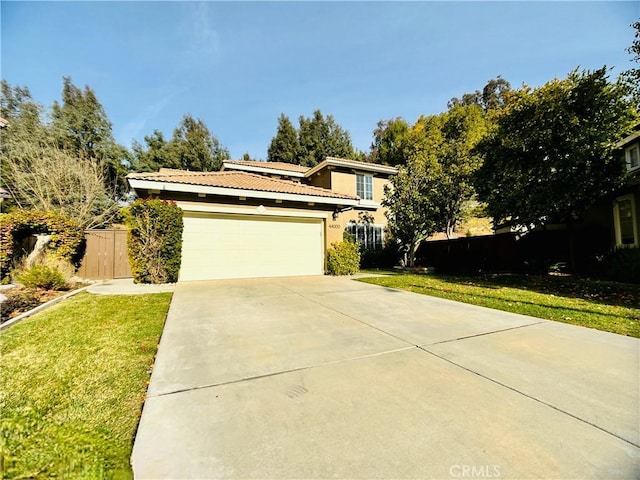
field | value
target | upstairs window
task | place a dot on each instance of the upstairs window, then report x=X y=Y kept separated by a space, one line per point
x=366 y=234
x=364 y=186
x=633 y=158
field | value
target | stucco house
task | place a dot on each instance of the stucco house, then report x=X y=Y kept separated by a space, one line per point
x=626 y=205
x=267 y=219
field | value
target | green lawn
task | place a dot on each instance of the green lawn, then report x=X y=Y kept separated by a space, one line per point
x=72 y=383
x=609 y=306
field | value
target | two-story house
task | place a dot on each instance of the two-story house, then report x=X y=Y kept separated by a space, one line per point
x=626 y=206
x=267 y=219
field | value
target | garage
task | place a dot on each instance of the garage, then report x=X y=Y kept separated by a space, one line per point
x=218 y=246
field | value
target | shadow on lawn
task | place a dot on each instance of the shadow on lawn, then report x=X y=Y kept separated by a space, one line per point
x=426 y=289
x=597 y=291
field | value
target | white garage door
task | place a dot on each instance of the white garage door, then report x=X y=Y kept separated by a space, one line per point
x=246 y=246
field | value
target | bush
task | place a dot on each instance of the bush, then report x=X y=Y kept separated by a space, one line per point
x=623 y=265
x=154 y=242
x=343 y=258
x=66 y=235
x=42 y=276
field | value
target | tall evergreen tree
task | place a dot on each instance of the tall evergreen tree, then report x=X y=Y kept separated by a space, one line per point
x=81 y=127
x=284 y=147
x=321 y=137
x=193 y=147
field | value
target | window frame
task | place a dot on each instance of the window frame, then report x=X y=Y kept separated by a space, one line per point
x=367 y=181
x=628 y=155
x=618 y=224
x=373 y=240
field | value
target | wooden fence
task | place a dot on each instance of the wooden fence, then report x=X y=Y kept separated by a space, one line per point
x=105 y=255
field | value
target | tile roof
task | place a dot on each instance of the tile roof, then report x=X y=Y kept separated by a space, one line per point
x=275 y=165
x=238 y=180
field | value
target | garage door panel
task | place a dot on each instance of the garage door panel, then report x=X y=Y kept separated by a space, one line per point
x=235 y=246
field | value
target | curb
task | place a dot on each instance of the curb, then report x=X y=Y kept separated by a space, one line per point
x=39 y=308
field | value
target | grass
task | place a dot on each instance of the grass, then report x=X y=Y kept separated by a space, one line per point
x=72 y=383
x=609 y=306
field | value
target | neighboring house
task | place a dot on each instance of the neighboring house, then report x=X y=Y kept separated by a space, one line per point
x=263 y=219
x=626 y=204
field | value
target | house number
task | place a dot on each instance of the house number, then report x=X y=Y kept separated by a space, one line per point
x=335 y=225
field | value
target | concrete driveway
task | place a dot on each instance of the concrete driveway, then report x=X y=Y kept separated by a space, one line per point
x=322 y=377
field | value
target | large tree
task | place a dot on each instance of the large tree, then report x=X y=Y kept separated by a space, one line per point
x=81 y=127
x=412 y=200
x=462 y=128
x=192 y=147
x=552 y=153
x=41 y=174
x=284 y=147
x=316 y=138
x=388 y=138
x=493 y=95
x=631 y=77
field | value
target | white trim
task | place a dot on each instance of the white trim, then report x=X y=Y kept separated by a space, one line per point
x=238 y=192
x=273 y=212
x=341 y=162
x=256 y=169
x=628 y=139
x=616 y=220
x=627 y=157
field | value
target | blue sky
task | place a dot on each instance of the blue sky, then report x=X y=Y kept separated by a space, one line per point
x=238 y=65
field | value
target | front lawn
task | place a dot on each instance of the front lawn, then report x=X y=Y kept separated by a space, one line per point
x=72 y=383
x=609 y=306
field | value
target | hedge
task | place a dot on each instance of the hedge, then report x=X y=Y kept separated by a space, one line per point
x=66 y=242
x=154 y=241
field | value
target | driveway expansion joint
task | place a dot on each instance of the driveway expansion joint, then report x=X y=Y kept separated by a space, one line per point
x=486 y=333
x=282 y=372
x=531 y=397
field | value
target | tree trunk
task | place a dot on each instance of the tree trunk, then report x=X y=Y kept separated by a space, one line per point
x=38 y=250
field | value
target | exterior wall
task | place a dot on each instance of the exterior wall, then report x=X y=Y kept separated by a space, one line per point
x=321 y=179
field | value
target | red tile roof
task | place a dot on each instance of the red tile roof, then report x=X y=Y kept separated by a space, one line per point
x=238 y=180
x=275 y=165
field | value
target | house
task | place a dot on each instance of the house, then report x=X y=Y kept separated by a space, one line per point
x=267 y=219
x=626 y=204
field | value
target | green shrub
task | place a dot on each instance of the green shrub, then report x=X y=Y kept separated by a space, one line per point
x=66 y=242
x=42 y=276
x=623 y=265
x=343 y=258
x=154 y=242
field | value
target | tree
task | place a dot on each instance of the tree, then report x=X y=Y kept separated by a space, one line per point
x=552 y=152
x=388 y=138
x=413 y=212
x=193 y=147
x=631 y=77
x=81 y=127
x=49 y=178
x=321 y=137
x=154 y=156
x=284 y=147
x=41 y=174
x=493 y=95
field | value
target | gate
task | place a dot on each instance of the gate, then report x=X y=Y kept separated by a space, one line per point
x=105 y=255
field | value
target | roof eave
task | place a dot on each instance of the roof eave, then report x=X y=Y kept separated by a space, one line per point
x=255 y=169
x=335 y=162
x=137 y=183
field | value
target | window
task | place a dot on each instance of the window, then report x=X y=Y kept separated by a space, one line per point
x=366 y=234
x=364 y=186
x=633 y=158
x=625 y=221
